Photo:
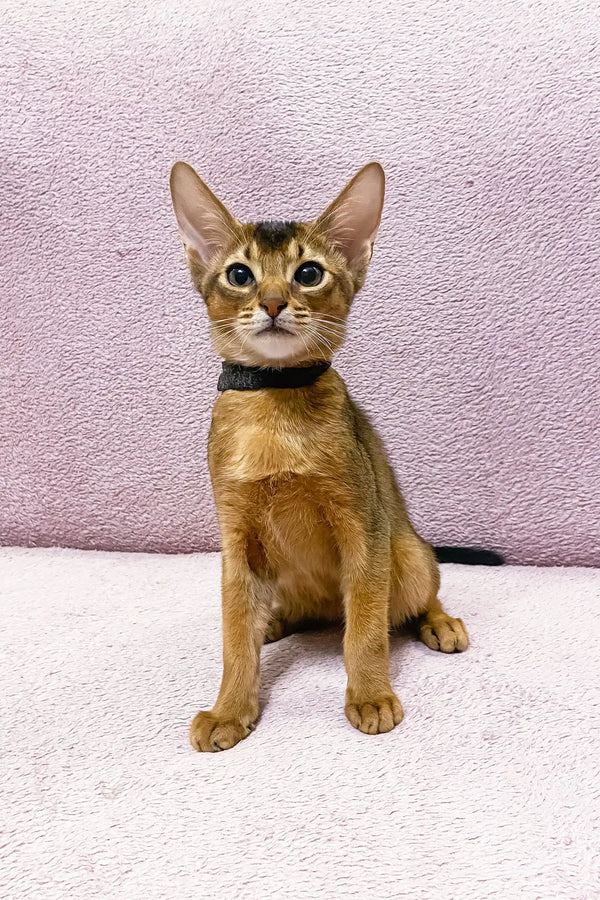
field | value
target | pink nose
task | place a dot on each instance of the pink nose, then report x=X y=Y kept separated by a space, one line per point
x=273 y=305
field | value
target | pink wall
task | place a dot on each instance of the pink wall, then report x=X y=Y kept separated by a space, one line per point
x=474 y=344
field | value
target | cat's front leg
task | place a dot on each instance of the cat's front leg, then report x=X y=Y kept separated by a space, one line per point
x=245 y=618
x=371 y=704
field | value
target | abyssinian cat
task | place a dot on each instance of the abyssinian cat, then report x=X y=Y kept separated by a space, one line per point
x=313 y=524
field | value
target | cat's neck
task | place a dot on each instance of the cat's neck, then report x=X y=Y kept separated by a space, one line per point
x=240 y=377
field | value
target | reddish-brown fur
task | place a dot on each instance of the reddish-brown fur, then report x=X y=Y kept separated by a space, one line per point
x=312 y=522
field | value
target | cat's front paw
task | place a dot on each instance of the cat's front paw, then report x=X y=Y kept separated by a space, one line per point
x=375 y=715
x=210 y=733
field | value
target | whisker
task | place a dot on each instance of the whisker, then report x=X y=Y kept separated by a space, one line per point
x=322 y=317
x=225 y=329
x=316 y=336
x=304 y=342
x=317 y=344
x=330 y=327
x=333 y=330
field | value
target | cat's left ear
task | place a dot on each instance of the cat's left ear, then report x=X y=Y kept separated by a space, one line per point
x=204 y=224
x=352 y=220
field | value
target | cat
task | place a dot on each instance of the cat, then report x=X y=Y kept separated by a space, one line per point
x=313 y=524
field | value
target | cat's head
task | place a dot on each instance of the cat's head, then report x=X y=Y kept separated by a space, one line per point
x=278 y=293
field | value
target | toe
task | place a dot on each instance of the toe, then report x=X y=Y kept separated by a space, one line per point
x=209 y=734
x=462 y=638
x=200 y=732
x=429 y=637
x=369 y=719
x=386 y=718
x=447 y=638
x=228 y=735
x=274 y=632
x=445 y=634
x=397 y=711
x=377 y=716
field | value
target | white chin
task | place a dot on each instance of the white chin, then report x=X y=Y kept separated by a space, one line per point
x=278 y=346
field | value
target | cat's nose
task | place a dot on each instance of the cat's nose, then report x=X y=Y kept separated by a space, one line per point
x=273 y=305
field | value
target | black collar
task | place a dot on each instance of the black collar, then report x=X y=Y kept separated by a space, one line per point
x=235 y=377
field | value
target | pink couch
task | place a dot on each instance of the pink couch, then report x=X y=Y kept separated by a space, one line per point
x=474 y=344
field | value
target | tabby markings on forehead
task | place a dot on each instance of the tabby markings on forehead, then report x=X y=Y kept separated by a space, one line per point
x=274 y=235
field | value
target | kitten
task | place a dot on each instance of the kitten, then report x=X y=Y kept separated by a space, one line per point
x=313 y=524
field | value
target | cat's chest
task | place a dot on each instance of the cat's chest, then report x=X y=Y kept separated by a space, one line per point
x=253 y=443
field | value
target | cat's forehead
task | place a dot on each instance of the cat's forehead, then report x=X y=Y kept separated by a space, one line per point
x=278 y=239
x=274 y=235
x=275 y=244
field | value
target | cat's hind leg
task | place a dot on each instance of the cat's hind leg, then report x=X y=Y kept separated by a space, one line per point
x=278 y=628
x=282 y=624
x=439 y=631
x=414 y=599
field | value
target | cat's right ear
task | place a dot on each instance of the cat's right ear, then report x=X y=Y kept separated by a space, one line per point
x=205 y=226
x=350 y=223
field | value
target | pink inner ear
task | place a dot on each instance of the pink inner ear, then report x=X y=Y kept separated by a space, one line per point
x=203 y=221
x=352 y=220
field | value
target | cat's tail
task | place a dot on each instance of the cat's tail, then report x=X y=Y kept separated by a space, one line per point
x=468 y=556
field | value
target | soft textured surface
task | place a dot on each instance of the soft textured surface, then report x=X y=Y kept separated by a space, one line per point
x=489 y=788
x=474 y=344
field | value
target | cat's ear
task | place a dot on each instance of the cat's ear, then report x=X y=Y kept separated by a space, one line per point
x=204 y=224
x=352 y=220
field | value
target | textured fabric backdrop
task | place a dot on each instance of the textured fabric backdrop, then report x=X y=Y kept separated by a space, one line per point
x=474 y=343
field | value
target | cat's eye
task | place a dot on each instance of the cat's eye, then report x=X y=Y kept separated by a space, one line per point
x=239 y=275
x=309 y=274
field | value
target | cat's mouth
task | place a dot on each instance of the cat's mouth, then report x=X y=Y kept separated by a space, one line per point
x=275 y=327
